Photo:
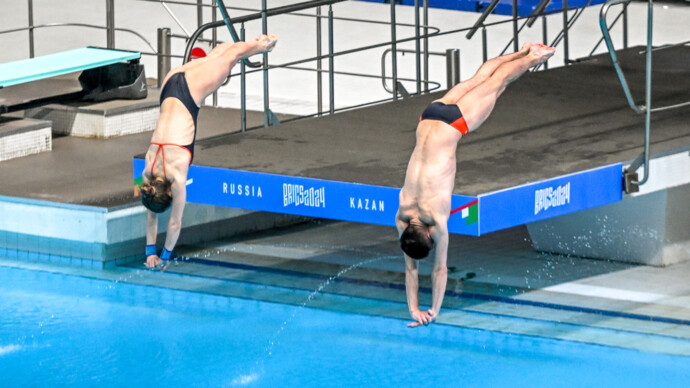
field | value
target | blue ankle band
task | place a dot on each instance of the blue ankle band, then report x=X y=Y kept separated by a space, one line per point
x=150 y=249
x=165 y=255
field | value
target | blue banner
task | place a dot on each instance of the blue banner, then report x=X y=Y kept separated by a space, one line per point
x=550 y=198
x=289 y=195
x=378 y=205
x=303 y=196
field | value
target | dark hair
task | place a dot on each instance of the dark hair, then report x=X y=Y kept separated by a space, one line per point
x=415 y=241
x=155 y=195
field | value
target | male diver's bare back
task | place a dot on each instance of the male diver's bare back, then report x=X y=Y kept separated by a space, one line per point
x=430 y=174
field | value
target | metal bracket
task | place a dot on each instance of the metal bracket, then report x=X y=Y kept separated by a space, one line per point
x=630 y=181
x=402 y=91
x=273 y=118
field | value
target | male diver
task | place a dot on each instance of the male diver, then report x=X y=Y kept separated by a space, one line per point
x=426 y=194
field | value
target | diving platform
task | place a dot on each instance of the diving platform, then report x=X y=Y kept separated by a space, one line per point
x=52 y=65
x=105 y=74
x=43 y=86
x=556 y=143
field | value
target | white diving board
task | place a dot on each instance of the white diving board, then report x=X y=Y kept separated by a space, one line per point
x=52 y=65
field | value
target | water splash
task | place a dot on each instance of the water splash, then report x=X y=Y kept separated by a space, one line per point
x=268 y=351
x=9 y=349
x=257 y=371
x=245 y=379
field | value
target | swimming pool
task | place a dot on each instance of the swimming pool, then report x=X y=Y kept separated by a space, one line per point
x=75 y=331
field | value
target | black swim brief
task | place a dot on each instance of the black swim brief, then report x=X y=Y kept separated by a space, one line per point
x=449 y=114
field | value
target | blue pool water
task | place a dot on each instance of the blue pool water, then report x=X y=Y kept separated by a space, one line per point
x=58 y=330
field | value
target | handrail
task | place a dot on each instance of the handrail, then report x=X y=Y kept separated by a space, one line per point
x=615 y=21
x=383 y=66
x=612 y=51
x=482 y=17
x=172 y=15
x=245 y=18
x=571 y=21
x=568 y=23
x=529 y=21
x=537 y=11
x=630 y=171
x=233 y=33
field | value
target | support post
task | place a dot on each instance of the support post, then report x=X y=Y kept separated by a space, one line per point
x=163 y=54
x=417 y=49
x=452 y=67
x=110 y=23
x=426 y=46
x=319 y=65
x=214 y=42
x=394 y=52
x=485 y=49
x=243 y=89
x=31 y=29
x=331 y=79
x=516 y=43
x=625 y=26
x=566 y=49
x=199 y=14
x=264 y=30
x=544 y=37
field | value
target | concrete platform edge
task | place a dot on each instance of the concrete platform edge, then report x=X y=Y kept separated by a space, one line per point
x=94 y=237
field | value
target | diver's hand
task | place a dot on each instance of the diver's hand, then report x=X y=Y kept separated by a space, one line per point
x=153 y=261
x=420 y=318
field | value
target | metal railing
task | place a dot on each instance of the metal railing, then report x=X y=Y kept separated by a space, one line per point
x=396 y=88
x=632 y=181
x=293 y=9
x=422 y=33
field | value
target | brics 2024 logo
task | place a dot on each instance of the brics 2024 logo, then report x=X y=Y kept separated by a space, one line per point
x=297 y=195
x=544 y=199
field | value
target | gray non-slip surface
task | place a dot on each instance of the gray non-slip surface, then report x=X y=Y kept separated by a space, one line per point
x=97 y=172
x=14 y=125
x=546 y=124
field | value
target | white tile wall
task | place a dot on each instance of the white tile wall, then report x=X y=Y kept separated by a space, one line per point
x=27 y=143
x=87 y=124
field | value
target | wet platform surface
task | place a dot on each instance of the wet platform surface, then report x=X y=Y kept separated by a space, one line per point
x=547 y=124
x=95 y=172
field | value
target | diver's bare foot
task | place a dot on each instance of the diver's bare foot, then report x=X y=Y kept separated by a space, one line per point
x=526 y=46
x=541 y=52
x=265 y=43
